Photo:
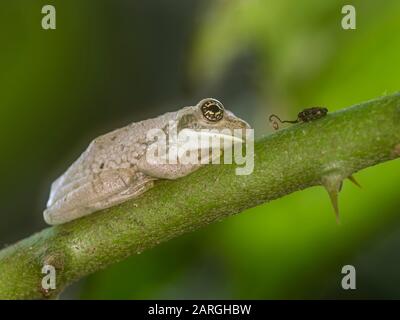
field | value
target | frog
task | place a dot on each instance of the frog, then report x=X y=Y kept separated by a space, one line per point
x=114 y=167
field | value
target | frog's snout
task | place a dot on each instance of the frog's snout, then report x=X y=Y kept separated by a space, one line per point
x=245 y=125
x=240 y=124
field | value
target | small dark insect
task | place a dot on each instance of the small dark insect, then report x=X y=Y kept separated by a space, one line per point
x=306 y=115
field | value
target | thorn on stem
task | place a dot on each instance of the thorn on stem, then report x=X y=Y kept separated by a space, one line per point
x=333 y=184
x=352 y=179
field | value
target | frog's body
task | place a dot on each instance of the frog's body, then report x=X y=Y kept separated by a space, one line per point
x=114 y=169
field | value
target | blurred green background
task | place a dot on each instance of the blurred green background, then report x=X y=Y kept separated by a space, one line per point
x=110 y=63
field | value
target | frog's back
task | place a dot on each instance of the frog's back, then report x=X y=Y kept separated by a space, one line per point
x=118 y=149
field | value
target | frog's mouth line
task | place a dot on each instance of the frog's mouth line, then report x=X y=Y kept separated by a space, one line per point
x=218 y=140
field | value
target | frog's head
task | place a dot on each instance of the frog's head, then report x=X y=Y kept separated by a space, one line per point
x=209 y=113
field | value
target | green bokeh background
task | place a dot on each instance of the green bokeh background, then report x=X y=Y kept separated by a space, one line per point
x=110 y=63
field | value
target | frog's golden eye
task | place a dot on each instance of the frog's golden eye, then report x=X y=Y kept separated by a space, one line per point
x=212 y=110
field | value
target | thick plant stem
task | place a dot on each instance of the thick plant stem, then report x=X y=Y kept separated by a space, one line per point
x=322 y=152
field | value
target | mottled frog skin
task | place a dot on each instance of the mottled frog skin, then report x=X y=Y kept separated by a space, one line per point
x=114 y=169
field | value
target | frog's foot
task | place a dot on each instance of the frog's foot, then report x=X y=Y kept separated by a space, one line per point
x=131 y=192
x=105 y=190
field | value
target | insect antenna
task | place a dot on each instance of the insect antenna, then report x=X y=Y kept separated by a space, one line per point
x=274 y=119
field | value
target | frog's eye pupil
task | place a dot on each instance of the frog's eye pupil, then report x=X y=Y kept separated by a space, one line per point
x=212 y=110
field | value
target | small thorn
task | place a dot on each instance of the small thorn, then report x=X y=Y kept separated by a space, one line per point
x=333 y=184
x=352 y=179
x=334 y=195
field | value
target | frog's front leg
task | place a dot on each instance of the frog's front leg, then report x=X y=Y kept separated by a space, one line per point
x=132 y=191
x=97 y=192
x=165 y=170
x=160 y=162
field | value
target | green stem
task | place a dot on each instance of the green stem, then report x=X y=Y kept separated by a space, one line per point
x=324 y=151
